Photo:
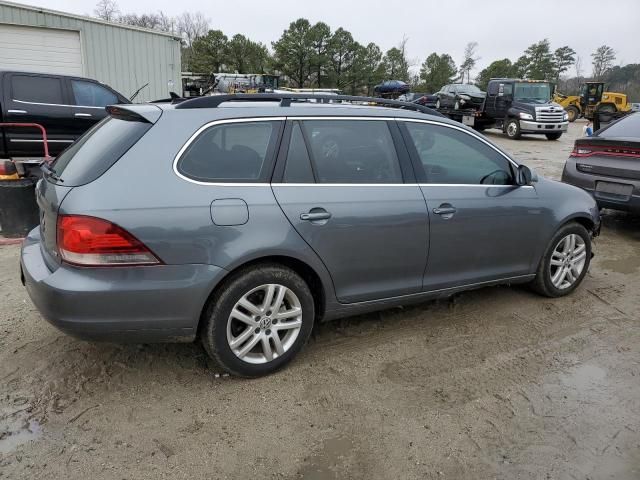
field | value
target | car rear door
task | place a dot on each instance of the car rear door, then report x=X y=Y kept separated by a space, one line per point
x=41 y=99
x=483 y=226
x=89 y=100
x=349 y=191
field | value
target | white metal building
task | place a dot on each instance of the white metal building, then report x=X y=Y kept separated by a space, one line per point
x=122 y=56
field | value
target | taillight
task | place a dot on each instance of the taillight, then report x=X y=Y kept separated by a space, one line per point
x=587 y=150
x=7 y=167
x=90 y=241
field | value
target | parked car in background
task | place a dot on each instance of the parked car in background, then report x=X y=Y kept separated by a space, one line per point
x=391 y=87
x=460 y=95
x=258 y=221
x=607 y=165
x=65 y=106
x=635 y=107
x=424 y=99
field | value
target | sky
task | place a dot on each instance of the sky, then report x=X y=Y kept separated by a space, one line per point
x=503 y=29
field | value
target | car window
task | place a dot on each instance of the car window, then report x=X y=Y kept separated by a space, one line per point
x=230 y=152
x=450 y=156
x=37 y=89
x=628 y=126
x=298 y=166
x=90 y=94
x=352 y=151
x=493 y=88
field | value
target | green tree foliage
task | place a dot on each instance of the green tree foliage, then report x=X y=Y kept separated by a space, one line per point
x=537 y=62
x=563 y=59
x=498 y=69
x=210 y=52
x=342 y=53
x=320 y=38
x=293 y=52
x=603 y=59
x=437 y=71
x=396 y=65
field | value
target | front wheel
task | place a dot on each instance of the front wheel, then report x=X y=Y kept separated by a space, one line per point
x=258 y=321
x=573 y=113
x=553 y=136
x=512 y=129
x=565 y=262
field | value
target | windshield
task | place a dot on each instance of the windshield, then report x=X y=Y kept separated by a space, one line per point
x=468 y=89
x=532 y=92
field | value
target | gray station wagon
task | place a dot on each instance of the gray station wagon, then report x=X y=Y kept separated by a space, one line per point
x=243 y=220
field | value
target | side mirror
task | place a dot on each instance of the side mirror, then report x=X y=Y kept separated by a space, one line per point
x=526 y=176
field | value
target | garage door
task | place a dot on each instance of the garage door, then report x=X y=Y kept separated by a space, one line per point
x=40 y=49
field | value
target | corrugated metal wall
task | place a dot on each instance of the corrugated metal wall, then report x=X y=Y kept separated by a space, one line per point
x=123 y=58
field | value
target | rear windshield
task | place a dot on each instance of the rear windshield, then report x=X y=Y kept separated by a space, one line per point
x=626 y=127
x=97 y=150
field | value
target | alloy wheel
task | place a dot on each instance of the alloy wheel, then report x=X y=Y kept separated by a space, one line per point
x=264 y=324
x=567 y=261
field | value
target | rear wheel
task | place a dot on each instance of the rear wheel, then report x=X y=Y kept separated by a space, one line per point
x=573 y=113
x=512 y=129
x=258 y=321
x=565 y=262
x=553 y=136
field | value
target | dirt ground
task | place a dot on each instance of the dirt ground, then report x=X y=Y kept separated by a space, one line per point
x=500 y=383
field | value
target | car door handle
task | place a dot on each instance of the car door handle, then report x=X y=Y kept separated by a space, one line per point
x=83 y=115
x=21 y=112
x=315 y=216
x=444 y=210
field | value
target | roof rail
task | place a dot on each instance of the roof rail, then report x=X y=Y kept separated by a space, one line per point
x=286 y=99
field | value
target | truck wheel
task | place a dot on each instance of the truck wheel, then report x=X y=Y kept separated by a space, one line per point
x=512 y=129
x=573 y=113
x=553 y=136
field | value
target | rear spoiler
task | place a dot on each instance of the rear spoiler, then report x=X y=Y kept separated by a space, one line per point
x=135 y=113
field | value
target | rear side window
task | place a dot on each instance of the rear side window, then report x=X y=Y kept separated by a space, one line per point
x=35 y=89
x=97 y=150
x=231 y=152
x=90 y=94
x=352 y=151
x=449 y=156
x=628 y=126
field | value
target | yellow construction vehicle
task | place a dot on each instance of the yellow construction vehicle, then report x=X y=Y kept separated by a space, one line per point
x=592 y=99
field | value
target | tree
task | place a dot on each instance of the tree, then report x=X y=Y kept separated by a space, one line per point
x=155 y=21
x=239 y=50
x=342 y=50
x=320 y=36
x=437 y=71
x=210 y=52
x=563 y=58
x=396 y=64
x=603 y=59
x=191 y=26
x=373 y=71
x=498 y=69
x=107 y=10
x=293 y=52
x=537 y=62
x=469 y=61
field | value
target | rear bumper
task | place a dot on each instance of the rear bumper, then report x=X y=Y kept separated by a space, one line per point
x=122 y=304
x=588 y=182
x=542 y=127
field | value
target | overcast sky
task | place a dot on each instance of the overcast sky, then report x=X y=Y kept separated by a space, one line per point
x=501 y=28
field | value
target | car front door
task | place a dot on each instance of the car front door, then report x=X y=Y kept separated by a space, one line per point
x=89 y=102
x=41 y=99
x=483 y=227
x=348 y=189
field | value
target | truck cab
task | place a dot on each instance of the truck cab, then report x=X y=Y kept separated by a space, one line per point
x=65 y=106
x=524 y=107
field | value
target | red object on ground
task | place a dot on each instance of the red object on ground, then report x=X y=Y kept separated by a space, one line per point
x=32 y=125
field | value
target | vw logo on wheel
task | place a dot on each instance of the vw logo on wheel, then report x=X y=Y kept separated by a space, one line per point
x=265 y=323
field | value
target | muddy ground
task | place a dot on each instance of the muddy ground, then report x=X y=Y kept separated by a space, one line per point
x=499 y=384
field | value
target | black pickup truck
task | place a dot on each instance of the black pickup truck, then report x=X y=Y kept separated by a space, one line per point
x=65 y=106
x=516 y=107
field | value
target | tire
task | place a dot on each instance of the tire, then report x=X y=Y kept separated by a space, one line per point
x=512 y=129
x=543 y=283
x=553 y=136
x=221 y=327
x=573 y=113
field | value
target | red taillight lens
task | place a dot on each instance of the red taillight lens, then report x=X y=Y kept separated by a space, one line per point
x=90 y=241
x=587 y=150
x=7 y=167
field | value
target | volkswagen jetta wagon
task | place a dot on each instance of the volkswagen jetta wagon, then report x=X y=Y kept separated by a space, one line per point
x=243 y=220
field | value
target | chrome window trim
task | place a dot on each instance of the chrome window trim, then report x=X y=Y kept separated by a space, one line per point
x=38 y=140
x=55 y=104
x=206 y=126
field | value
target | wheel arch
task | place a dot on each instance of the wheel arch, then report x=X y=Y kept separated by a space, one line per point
x=318 y=287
